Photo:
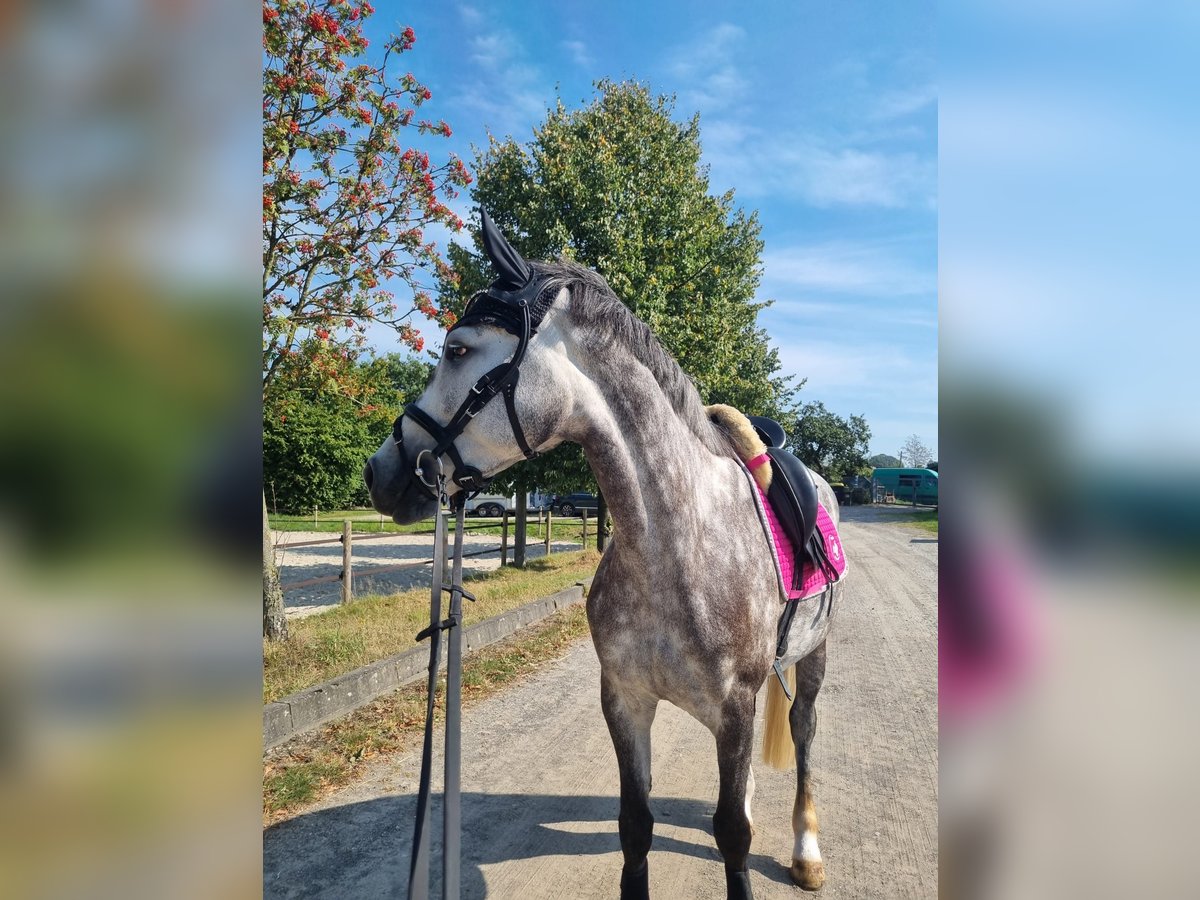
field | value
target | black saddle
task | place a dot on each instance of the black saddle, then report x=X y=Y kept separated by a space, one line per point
x=792 y=494
x=794 y=497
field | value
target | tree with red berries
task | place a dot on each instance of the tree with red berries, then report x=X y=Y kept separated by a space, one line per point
x=347 y=200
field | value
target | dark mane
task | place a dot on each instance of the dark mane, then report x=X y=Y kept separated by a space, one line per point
x=594 y=305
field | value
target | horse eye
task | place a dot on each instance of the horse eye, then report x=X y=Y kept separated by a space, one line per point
x=458 y=351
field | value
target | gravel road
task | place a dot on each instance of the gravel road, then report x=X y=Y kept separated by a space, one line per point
x=540 y=778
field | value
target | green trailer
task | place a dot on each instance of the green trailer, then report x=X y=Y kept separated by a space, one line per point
x=905 y=484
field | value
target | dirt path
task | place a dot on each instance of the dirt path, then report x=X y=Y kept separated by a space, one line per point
x=540 y=777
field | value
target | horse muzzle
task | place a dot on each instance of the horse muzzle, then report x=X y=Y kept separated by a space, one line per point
x=395 y=491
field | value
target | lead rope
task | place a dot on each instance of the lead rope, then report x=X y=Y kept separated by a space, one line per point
x=418 y=876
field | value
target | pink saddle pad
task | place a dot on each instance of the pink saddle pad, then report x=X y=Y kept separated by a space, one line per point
x=814 y=580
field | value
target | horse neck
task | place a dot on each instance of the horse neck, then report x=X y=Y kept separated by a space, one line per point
x=658 y=476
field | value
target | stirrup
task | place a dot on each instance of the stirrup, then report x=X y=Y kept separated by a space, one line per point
x=778 y=667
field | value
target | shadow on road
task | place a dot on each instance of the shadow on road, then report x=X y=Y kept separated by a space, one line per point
x=362 y=849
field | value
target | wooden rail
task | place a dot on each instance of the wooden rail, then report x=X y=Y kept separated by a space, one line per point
x=348 y=537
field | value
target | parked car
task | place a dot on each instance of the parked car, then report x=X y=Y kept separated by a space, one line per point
x=571 y=504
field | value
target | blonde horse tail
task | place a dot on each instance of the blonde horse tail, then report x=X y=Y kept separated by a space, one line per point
x=778 y=751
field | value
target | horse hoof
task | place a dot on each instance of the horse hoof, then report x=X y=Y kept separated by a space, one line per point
x=636 y=885
x=810 y=875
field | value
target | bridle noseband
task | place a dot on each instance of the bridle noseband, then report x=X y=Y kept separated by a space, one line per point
x=518 y=312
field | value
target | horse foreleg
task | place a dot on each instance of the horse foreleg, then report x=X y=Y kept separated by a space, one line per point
x=731 y=822
x=807 y=870
x=629 y=717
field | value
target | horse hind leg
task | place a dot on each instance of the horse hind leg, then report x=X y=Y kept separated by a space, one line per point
x=807 y=869
x=629 y=717
x=731 y=822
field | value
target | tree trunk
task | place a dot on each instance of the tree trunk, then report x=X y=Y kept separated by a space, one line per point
x=274 y=621
x=601 y=521
x=519 y=532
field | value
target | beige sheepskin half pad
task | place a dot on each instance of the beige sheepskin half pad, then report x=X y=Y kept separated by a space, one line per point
x=746 y=442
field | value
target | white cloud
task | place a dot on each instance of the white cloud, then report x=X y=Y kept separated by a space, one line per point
x=866 y=162
x=509 y=93
x=490 y=50
x=834 y=364
x=816 y=170
x=707 y=65
x=842 y=267
x=897 y=104
x=579 y=53
x=470 y=15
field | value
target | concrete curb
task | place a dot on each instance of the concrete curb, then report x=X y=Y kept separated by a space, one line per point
x=298 y=713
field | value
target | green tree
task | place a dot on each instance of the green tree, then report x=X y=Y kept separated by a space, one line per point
x=313 y=456
x=315 y=441
x=345 y=206
x=830 y=445
x=618 y=186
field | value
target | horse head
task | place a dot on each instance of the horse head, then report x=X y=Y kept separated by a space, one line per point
x=454 y=436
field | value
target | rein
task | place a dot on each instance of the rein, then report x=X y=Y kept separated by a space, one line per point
x=516 y=301
x=418 y=876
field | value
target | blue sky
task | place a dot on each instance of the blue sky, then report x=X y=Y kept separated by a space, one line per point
x=821 y=116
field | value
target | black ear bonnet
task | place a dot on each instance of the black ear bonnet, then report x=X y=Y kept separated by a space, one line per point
x=516 y=301
x=517 y=288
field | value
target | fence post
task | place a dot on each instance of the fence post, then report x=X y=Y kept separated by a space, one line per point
x=549 y=525
x=601 y=522
x=584 y=511
x=504 y=540
x=316 y=524
x=519 y=534
x=347 y=567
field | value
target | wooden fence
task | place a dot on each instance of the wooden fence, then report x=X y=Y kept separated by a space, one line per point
x=348 y=538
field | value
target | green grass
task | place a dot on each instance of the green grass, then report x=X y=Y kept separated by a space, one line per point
x=298 y=784
x=925 y=519
x=324 y=646
x=301 y=772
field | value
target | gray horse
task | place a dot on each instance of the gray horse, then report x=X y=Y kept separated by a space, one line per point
x=685 y=603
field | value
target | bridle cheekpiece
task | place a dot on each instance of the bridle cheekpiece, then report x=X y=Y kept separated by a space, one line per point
x=516 y=301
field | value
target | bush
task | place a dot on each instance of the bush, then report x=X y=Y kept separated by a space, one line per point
x=314 y=456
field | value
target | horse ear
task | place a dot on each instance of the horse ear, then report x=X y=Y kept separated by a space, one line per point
x=512 y=270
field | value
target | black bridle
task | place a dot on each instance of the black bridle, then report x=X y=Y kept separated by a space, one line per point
x=518 y=312
x=516 y=301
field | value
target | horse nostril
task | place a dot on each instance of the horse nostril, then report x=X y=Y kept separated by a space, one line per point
x=368 y=475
